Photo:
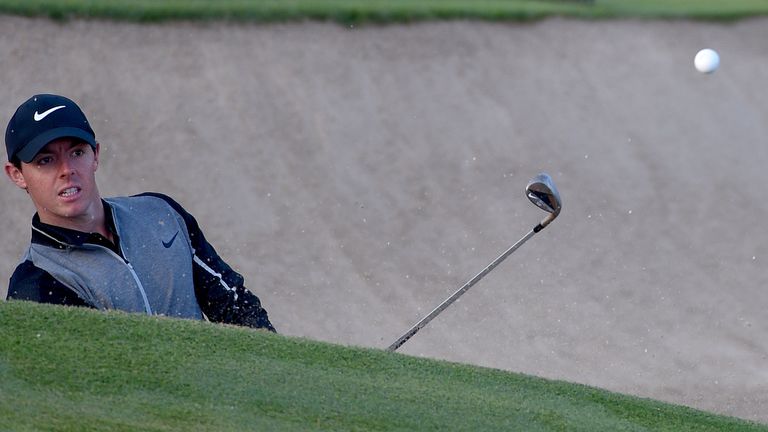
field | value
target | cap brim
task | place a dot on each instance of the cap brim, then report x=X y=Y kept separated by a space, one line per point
x=29 y=151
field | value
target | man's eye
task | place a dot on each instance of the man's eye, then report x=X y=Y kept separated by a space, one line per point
x=44 y=160
x=78 y=152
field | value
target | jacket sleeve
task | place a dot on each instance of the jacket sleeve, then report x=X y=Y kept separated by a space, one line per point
x=220 y=290
x=34 y=284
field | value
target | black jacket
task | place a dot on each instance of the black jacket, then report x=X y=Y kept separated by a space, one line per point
x=218 y=289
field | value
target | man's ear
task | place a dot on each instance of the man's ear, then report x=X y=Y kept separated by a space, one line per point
x=96 y=156
x=15 y=175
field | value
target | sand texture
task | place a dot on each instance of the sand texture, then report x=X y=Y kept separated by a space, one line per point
x=359 y=176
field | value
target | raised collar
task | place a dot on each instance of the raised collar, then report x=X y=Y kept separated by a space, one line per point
x=63 y=238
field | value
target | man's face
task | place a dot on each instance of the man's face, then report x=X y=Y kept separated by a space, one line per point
x=61 y=180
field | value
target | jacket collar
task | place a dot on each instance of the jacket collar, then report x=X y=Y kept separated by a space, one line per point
x=62 y=238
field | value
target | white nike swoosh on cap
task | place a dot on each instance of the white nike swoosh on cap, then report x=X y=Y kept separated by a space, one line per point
x=39 y=117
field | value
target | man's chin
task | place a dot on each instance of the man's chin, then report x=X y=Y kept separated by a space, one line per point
x=74 y=211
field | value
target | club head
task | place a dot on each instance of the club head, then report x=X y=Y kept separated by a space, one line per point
x=542 y=192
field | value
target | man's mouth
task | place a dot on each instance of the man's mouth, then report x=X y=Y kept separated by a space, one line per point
x=68 y=192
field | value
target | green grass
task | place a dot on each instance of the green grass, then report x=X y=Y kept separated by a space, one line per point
x=380 y=11
x=74 y=369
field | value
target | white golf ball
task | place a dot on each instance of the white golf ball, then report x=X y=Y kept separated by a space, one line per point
x=706 y=60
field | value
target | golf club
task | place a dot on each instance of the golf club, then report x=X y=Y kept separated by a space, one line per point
x=542 y=192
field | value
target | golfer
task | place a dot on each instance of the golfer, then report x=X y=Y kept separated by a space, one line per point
x=142 y=253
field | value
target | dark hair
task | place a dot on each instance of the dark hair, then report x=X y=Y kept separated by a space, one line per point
x=16 y=162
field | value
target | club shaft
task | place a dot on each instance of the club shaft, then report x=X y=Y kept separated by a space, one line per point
x=424 y=321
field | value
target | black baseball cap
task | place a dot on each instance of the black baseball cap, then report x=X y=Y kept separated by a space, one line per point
x=42 y=119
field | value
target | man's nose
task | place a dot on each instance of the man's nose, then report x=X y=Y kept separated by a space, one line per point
x=66 y=167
